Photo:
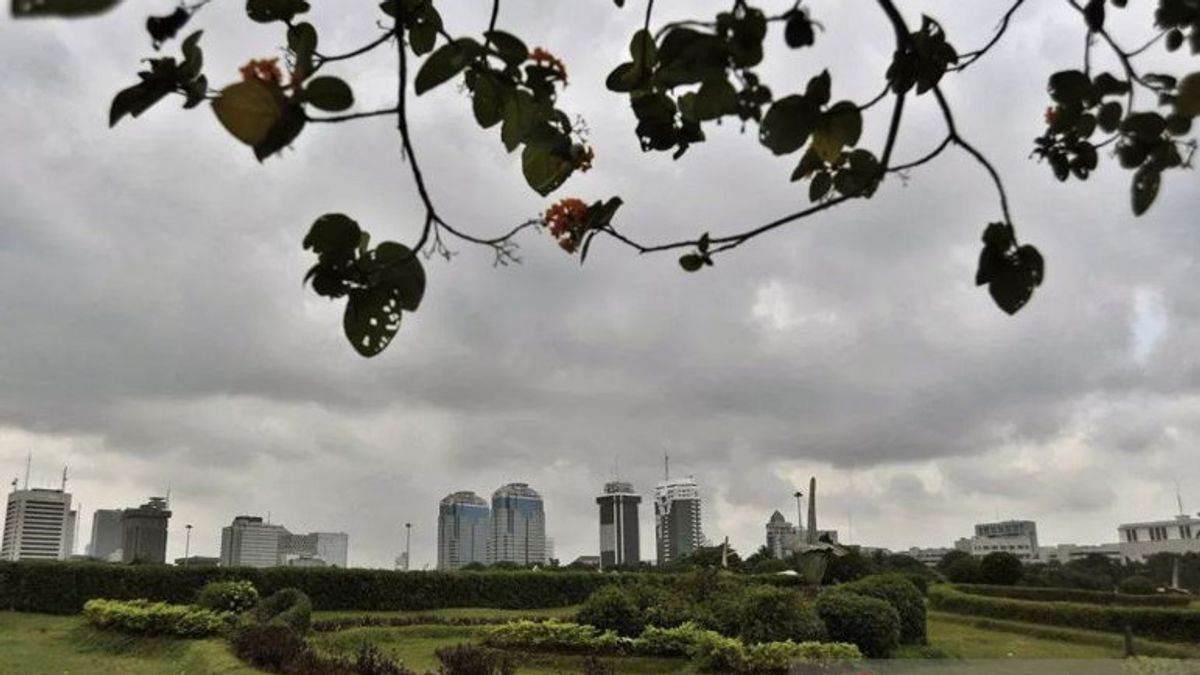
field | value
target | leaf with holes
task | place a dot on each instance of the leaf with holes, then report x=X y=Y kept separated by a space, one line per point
x=396 y=266
x=371 y=319
x=1145 y=188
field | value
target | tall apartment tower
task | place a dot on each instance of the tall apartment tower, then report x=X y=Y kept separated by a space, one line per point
x=464 y=528
x=249 y=542
x=38 y=525
x=619 y=539
x=518 y=525
x=783 y=538
x=106 y=535
x=677 y=519
x=144 y=532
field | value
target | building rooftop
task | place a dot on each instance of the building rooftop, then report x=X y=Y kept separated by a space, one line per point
x=618 y=487
x=516 y=490
x=463 y=497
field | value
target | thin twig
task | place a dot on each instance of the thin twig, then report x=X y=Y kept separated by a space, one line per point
x=322 y=58
x=354 y=116
x=971 y=57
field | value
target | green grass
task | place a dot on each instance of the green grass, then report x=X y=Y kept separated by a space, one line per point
x=1076 y=636
x=414 y=646
x=459 y=613
x=955 y=638
x=39 y=644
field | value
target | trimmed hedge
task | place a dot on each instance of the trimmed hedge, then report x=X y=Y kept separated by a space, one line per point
x=1042 y=594
x=142 y=617
x=871 y=624
x=1162 y=623
x=228 y=596
x=898 y=591
x=289 y=606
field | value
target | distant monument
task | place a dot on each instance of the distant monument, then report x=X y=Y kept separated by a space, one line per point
x=813 y=554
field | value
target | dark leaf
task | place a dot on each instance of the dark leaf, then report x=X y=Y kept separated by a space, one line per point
x=545 y=166
x=64 y=8
x=302 y=40
x=788 y=123
x=1145 y=188
x=511 y=49
x=1174 y=39
x=135 y=100
x=998 y=236
x=249 y=110
x=329 y=94
x=1069 y=87
x=1109 y=116
x=809 y=163
x=819 y=187
x=845 y=122
x=372 y=318
x=691 y=262
x=286 y=129
x=520 y=117
x=798 y=31
x=715 y=98
x=1187 y=96
x=398 y=267
x=163 y=28
x=267 y=11
x=487 y=101
x=193 y=57
x=1093 y=14
x=444 y=63
x=333 y=233
x=818 y=88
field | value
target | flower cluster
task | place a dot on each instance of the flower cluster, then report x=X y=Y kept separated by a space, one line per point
x=567 y=221
x=582 y=156
x=544 y=58
x=262 y=69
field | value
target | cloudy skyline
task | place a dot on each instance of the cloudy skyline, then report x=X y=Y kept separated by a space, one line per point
x=155 y=331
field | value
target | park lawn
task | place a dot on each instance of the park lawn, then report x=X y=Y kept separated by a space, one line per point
x=40 y=644
x=414 y=646
x=956 y=639
x=564 y=613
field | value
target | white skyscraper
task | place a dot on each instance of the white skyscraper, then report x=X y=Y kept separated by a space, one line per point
x=677 y=519
x=38 y=525
x=518 y=525
x=249 y=542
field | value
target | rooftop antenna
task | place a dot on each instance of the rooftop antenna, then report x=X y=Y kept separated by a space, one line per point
x=64 y=481
x=667 y=466
x=168 y=497
x=15 y=483
x=1179 y=499
x=28 y=464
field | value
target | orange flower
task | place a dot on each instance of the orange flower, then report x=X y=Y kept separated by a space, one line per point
x=566 y=221
x=262 y=69
x=584 y=157
x=1051 y=114
x=544 y=58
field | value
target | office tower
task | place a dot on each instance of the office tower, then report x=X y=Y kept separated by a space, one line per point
x=106 y=535
x=464 y=529
x=1018 y=537
x=677 y=519
x=518 y=525
x=315 y=549
x=783 y=538
x=619 y=538
x=249 y=542
x=144 y=532
x=38 y=525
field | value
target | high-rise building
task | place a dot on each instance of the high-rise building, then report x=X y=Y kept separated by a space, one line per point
x=1018 y=537
x=249 y=542
x=619 y=538
x=677 y=519
x=464 y=529
x=106 y=535
x=144 y=532
x=315 y=548
x=783 y=538
x=518 y=525
x=38 y=525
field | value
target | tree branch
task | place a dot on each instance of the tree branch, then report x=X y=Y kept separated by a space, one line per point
x=323 y=59
x=971 y=57
x=354 y=116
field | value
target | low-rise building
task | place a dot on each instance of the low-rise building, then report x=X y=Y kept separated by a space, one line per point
x=1018 y=537
x=1065 y=553
x=1180 y=534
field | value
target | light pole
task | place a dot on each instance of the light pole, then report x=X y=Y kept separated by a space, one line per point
x=187 y=544
x=407 y=546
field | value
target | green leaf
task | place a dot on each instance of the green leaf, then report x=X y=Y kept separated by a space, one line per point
x=520 y=117
x=544 y=167
x=333 y=233
x=135 y=100
x=283 y=132
x=422 y=37
x=1109 y=116
x=62 y=8
x=601 y=214
x=329 y=94
x=302 y=40
x=844 y=121
x=248 y=110
x=715 y=98
x=1187 y=96
x=688 y=57
x=444 y=63
x=788 y=123
x=623 y=78
x=1069 y=87
x=371 y=319
x=642 y=48
x=1145 y=188
x=487 y=100
x=398 y=267
x=267 y=11
x=818 y=88
x=826 y=145
x=691 y=262
x=819 y=187
x=809 y=163
x=511 y=49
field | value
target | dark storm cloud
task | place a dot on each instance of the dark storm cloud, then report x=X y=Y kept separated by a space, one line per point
x=155 y=330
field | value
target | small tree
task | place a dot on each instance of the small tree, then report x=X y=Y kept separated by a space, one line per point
x=1001 y=568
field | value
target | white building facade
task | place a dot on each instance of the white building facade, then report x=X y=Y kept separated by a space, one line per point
x=1180 y=534
x=1018 y=537
x=677 y=525
x=38 y=525
x=249 y=542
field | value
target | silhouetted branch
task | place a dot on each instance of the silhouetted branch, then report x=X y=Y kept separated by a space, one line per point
x=322 y=59
x=971 y=57
x=925 y=159
x=354 y=116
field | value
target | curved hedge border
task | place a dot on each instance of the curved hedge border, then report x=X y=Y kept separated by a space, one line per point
x=1075 y=595
x=142 y=617
x=1163 y=623
x=346 y=623
x=63 y=587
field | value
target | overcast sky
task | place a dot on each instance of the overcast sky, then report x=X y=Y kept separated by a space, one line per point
x=154 y=331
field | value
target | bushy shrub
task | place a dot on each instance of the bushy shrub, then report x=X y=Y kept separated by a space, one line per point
x=717 y=653
x=1161 y=623
x=767 y=614
x=1076 y=595
x=663 y=607
x=548 y=636
x=1138 y=585
x=771 y=658
x=676 y=641
x=289 y=606
x=1000 y=568
x=899 y=592
x=613 y=608
x=228 y=596
x=270 y=646
x=142 y=617
x=469 y=659
x=871 y=624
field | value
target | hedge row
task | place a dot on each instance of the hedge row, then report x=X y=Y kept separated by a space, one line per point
x=63 y=587
x=374 y=621
x=1075 y=595
x=141 y=617
x=1162 y=623
x=711 y=650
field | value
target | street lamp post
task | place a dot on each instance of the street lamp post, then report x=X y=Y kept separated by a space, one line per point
x=408 y=550
x=187 y=544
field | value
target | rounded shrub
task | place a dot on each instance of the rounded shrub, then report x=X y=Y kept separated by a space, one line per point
x=899 y=592
x=1138 y=585
x=228 y=596
x=287 y=606
x=768 y=614
x=613 y=608
x=871 y=624
x=270 y=646
x=1000 y=568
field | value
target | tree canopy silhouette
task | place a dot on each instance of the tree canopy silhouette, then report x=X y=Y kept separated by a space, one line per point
x=679 y=78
